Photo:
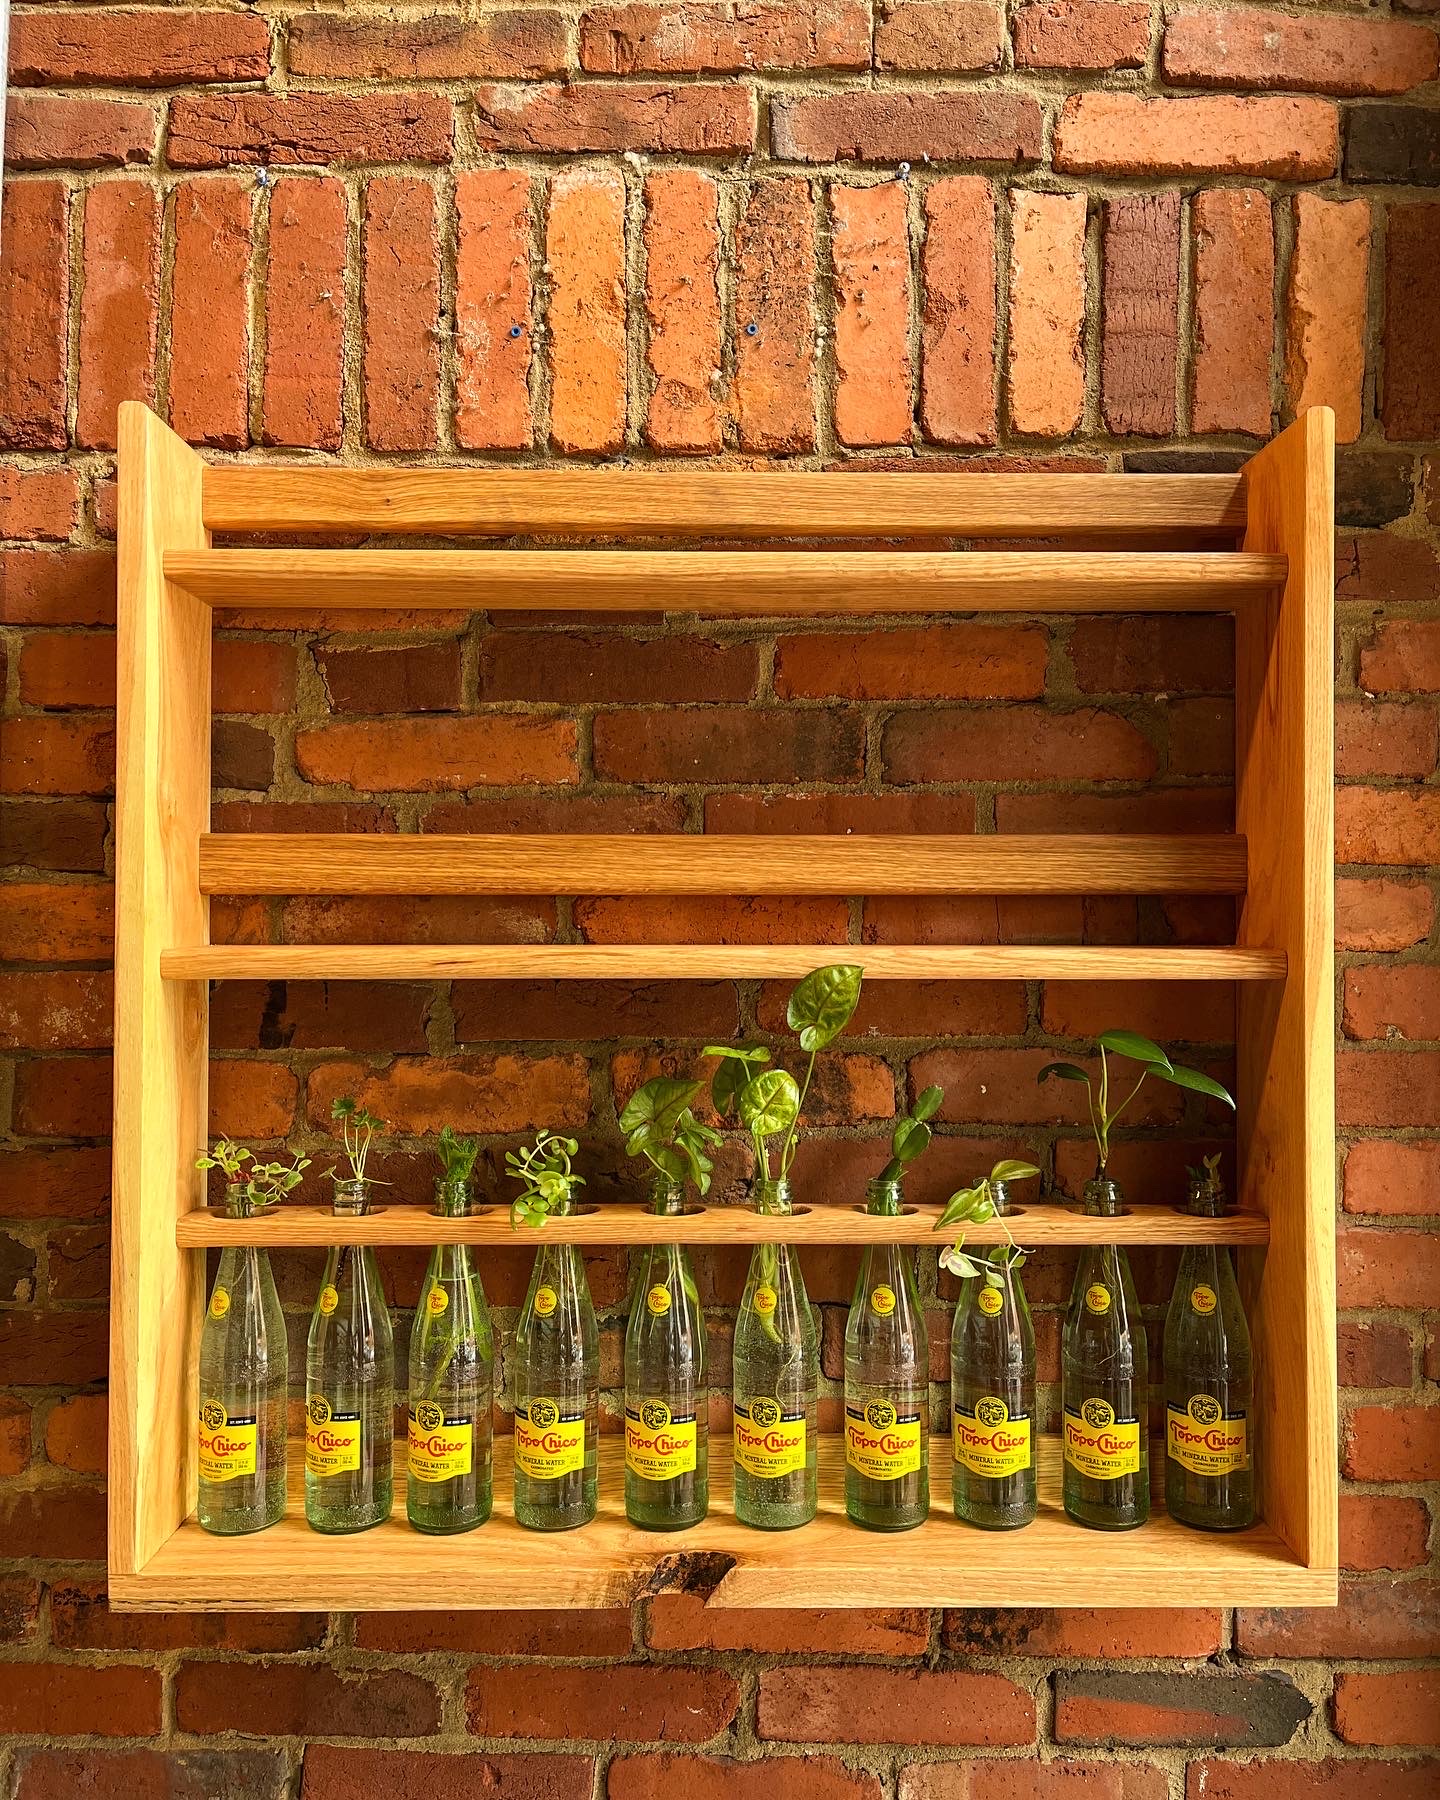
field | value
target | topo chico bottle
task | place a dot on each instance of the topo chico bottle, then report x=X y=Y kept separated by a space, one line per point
x=452 y=1387
x=350 y=1387
x=887 y=1374
x=1209 y=1415
x=775 y=1382
x=992 y=1399
x=557 y=1393
x=667 y=1462
x=1105 y=1376
x=244 y=1382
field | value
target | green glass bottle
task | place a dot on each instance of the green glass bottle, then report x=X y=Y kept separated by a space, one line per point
x=350 y=1386
x=557 y=1393
x=775 y=1383
x=1209 y=1409
x=1105 y=1378
x=244 y=1383
x=452 y=1387
x=887 y=1373
x=992 y=1397
x=667 y=1460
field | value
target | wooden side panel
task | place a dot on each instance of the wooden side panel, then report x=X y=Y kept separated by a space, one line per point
x=162 y=806
x=1284 y=685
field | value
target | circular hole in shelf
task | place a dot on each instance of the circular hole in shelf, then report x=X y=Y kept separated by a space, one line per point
x=906 y=1212
x=582 y=1212
x=1012 y=1212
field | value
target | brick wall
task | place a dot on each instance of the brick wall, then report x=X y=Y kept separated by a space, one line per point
x=1081 y=234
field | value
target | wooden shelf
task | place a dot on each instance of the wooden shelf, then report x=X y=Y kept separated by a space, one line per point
x=716 y=962
x=293 y=1226
x=828 y=1563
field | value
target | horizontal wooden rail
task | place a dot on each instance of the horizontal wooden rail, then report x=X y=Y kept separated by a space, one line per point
x=717 y=962
x=730 y=583
x=411 y=863
x=597 y=502
x=296 y=1227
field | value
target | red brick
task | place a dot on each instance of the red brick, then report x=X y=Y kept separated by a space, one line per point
x=887 y=125
x=1253 y=48
x=713 y=1778
x=1373 y=739
x=1388 y=1709
x=1082 y=34
x=56 y=756
x=1325 y=309
x=1008 y=744
x=626 y=1702
x=775 y=293
x=1173 y=655
x=1377 y=565
x=822 y=814
x=54 y=1183
x=332 y=1773
x=81 y=1619
x=1392 y=1443
x=150 y=1774
x=354 y=1015
x=682 y=310
x=253 y=676
x=1140 y=331
x=1388 y=1268
x=14 y=1435
x=75 y=1434
x=210 y=131
x=863 y=1705
x=305 y=314
x=64 y=1522
x=721 y=37
x=52 y=1348
x=543 y=1011
x=938 y=35
x=47 y=922
x=1234 y=310
x=1410 y=406
x=604 y=1633
x=1395 y=826
x=1271 y=1779
x=680 y=1621
x=870 y=262
x=53 y=1010
x=400 y=298
x=433 y=919
x=1374 y=1353
x=493 y=296
x=1403 y=657
x=420 y=1093
x=1130 y=134
x=45 y=1699
x=119 y=317
x=1106 y=1706
x=1383 y=1531
x=696 y=118
x=210 y=313
x=1046 y=358
x=685 y=919
x=1387 y=1087
x=1374 y=1619
x=1168 y=1011
x=1382 y=1176
x=291 y=1699
x=431 y=755
x=579 y=668
x=46 y=131
x=958 y=662
x=250 y=1099
x=438 y=46
x=57 y=587
x=585 y=253
x=957 y=349
x=727 y=744
x=1392 y=1000
x=62 y=1097
x=407 y=678
x=37 y=505
x=1381 y=915
x=19 y=1609
x=115 y=47
x=1013 y=1779
x=1000 y=1087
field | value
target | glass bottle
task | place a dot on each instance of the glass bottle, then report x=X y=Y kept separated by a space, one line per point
x=350 y=1386
x=667 y=1461
x=1105 y=1375
x=887 y=1375
x=992 y=1399
x=557 y=1393
x=452 y=1387
x=244 y=1383
x=775 y=1382
x=1209 y=1415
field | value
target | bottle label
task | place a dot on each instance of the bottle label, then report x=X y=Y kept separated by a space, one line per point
x=332 y=1440
x=881 y=1442
x=219 y=1303
x=882 y=1300
x=1100 y=1445
x=989 y=1300
x=990 y=1441
x=1097 y=1298
x=329 y=1300
x=658 y=1445
x=545 y=1301
x=1205 y=1439
x=765 y=1300
x=436 y=1300
x=658 y=1300
x=768 y=1440
x=549 y=1442
x=441 y=1443
x=227 y=1446
x=1203 y=1300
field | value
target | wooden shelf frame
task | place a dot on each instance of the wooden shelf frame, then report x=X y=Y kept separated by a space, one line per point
x=1279 y=584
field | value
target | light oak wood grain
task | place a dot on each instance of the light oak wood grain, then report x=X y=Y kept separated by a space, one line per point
x=412 y=863
x=718 y=503
x=723 y=583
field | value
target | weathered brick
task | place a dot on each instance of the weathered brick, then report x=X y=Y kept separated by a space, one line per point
x=419 y=1093
x=46 y=131
x=1234 y=310
x=1392 y=1178
x=628 y=1702
x=1374 y=739
x=1387 y=1087
x=1090 y=745
x=886 y=125
x=1272 y=1779
x=305 y=314
x=34 y=294
x=76 y=1438
x=400 y=297
x=938 y=35
x=723 y=37
x=1140 y=306
x=46 y=1699
x=1374 y=1353
x=1045 y=357
x=957 y=351
x=1255 y=48
x=56 y=756
x=42 y=1774
x=210 y=313
x=1374 y=1619
x=1388 y=1709
x=1082 y=34
x=695 y=118
x=430 y=755
x=1383 y=1531
x=780 y=919
x=728 y=744
x=715 y=1778
x=55 y=1010
x=290 y=1699
x=1381 y=914
x=1130 y=134
x=585 y=252
x=121 y=47
x=971 y=661
x=600 y=1633
x=575 y=668
x=867 y=1705
x=1388 y=1268
x=215 y=130
x=494 y=303
x=408 y=678
x=333 y=1773
x=1112 y=1707
x=1381 y=566
x=1395 y=826
x=1392 y=1000
x=1325 y=308
x=1373 y=487
x=1399 y=144
x=775 y=319
x=1392 y=1443
x=438 y=46
x=120 y=316
x=37 y=505
x=679 y=1621
x=978 y=1778
x=870 y=260
x=682 y=310
x=1411 y=403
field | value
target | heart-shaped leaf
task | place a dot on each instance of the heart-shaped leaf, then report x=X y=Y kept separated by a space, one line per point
x=657 y=1106
x=737 y=1066
x=769 y=1104
x=824 y=1003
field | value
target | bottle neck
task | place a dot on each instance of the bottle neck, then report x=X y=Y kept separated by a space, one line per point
x=1207 y=1200
x=452 y=1196
x=667 y=1196
x=1102 y=1197
x=1000 y=1196
x=883 y=1198
x=239 y=1202
x=351 y=1197
x=772 y=1196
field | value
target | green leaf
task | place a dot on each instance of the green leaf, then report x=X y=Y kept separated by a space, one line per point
x=769 y=1104
x=1064 y=1071
x=960 y=1205
x=1200 y=1084
x=1137 y=1048
x=911 y=1139
x=928 y=1103
x=957 y=1263
x=1013 y=1171
x=824 y=1003
x=736 y=1068
x=982 y=1210
x=656 y=1107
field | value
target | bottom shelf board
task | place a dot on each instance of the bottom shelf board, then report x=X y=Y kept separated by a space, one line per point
x=828 y=1563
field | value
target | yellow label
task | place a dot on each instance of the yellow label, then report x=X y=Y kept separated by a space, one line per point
x=1203 y=1300
x=1099 y=1444
x=1205 y=1439
x=329 y=1300
x=441 y=1446
x=765 y=1300
x=1097 y=1297
x=768 y=1440
x=219 y=1303
x=436 y=1301
x=548 y=1442
x=881 y=1443
x=882 y=1300
x=545 y=1301
x=332 y=1440
x=227 y=1446
x=658 y=1300
x=988 y=1441
x=990 y=1300
x=658 y=1446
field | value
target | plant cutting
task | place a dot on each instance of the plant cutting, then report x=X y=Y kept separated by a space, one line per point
x=252 y=1189
x=546 y=1173
x=659 y=1125
x=1154 y=1064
